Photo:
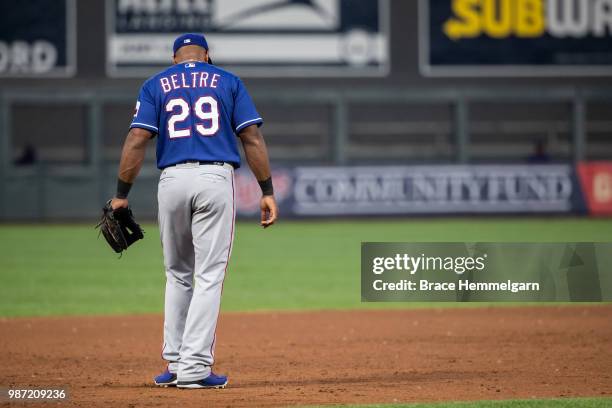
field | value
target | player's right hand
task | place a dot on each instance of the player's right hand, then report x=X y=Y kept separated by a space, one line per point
x=119 y=203
x=269 y=211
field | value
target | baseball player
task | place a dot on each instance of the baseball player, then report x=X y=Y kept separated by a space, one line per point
x=196 y=110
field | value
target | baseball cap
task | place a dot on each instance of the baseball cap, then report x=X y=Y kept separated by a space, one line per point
x=190 y=39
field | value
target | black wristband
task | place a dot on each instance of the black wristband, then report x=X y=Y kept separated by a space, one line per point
x=266 y=186
x=123 y=188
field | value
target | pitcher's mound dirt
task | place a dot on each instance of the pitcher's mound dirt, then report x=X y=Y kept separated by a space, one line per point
x=280 y=359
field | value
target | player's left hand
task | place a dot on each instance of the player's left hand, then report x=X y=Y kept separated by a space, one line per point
x=269 y=211
x=119 y=203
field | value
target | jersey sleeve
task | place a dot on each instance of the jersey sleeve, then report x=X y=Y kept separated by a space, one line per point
x=146 y=115
x=245 y=113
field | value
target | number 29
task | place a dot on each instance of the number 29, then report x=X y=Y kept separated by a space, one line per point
x=182 y=113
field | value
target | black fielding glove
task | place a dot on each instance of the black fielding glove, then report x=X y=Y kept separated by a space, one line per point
x=119 y=227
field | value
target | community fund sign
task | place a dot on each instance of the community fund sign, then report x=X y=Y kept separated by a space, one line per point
x=515 y=37
x=307 y=191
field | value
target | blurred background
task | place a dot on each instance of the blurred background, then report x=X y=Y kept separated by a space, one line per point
x=370 y=106
x=444 y=120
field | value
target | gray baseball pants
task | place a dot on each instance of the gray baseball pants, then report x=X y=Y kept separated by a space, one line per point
x=196 y=221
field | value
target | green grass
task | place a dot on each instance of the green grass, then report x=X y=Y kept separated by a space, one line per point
x=549 y=403
x=66 y=269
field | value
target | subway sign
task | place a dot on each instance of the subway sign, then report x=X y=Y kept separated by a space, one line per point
x=515 y=37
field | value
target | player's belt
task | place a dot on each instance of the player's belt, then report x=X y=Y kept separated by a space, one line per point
x=200 y=162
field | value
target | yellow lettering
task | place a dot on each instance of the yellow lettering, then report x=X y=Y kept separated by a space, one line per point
x=497 y=17
x=530 y=18
x=466 y=22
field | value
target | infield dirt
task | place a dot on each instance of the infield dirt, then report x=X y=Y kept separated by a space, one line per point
x=290 y=358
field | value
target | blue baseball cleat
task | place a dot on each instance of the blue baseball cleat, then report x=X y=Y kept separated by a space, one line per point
x=212 y=381
x=166 y=379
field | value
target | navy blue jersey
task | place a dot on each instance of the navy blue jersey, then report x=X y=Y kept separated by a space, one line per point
x=196 y=109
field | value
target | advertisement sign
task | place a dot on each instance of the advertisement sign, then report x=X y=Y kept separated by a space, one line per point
x=596 y=181
x=253 y=37
x=37 y=38
x=414 y=190
x=515 y=37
